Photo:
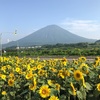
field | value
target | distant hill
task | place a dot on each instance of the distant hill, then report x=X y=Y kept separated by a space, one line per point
x=51 y=34
x=98 y=41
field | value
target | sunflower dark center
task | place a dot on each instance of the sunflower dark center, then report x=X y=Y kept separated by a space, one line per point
x=78 y=75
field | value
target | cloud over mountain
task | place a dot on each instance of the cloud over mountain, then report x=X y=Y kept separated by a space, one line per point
x=85 y=28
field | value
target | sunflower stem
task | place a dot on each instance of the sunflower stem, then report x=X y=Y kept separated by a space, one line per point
x=69 y=97
x=30 y=95
x=74 y=97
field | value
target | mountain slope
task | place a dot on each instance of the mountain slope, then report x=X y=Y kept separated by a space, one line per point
x=51 y=34
x=98 y=41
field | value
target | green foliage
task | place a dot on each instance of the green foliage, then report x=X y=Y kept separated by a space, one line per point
x=23 y=78
x=79 y=49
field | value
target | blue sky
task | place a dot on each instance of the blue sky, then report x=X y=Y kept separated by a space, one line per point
x=81 y=17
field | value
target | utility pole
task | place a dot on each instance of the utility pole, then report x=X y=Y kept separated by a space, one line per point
x=17 y=44
x=1 y=41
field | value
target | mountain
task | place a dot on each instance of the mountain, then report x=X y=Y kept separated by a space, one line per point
x=51 y=34
x=98 y=41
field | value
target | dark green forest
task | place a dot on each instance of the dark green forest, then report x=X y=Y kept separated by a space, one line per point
x=79 y=49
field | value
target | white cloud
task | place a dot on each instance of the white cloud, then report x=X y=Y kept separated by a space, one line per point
x=85 y=28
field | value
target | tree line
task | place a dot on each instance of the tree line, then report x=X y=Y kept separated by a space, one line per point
x=80 y=49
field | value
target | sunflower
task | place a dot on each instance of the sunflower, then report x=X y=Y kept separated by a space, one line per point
x=57 y=86
x=29 y=75
x=64 y=61
x=11 y=75
x=97 y=58
x=82 y=59
x=32 y=87
x=34 y=81
x=73 y=88
x=50 y=82
x=3 y=76
x=83 y=81
x=41 y=72
x=75 y=62
x=53 y=98
x=78 y=75
x=28 y=67
x=84 y=68
x=8 y=66
x=34 y=68
x=3 y=68
x=96 y=63
x=39 y=66
x=10 y=82
x=44 y=91
x=63 y=73
x=53 y=69
x=4 y=93
x=17 y=69
x=98 y=86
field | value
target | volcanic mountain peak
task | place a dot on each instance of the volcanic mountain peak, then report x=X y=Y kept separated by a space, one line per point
x=51 y=34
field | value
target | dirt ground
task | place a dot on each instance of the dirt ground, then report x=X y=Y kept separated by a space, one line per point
x=68 y=57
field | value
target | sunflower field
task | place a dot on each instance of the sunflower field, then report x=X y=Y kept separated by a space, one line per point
x=55 y=79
